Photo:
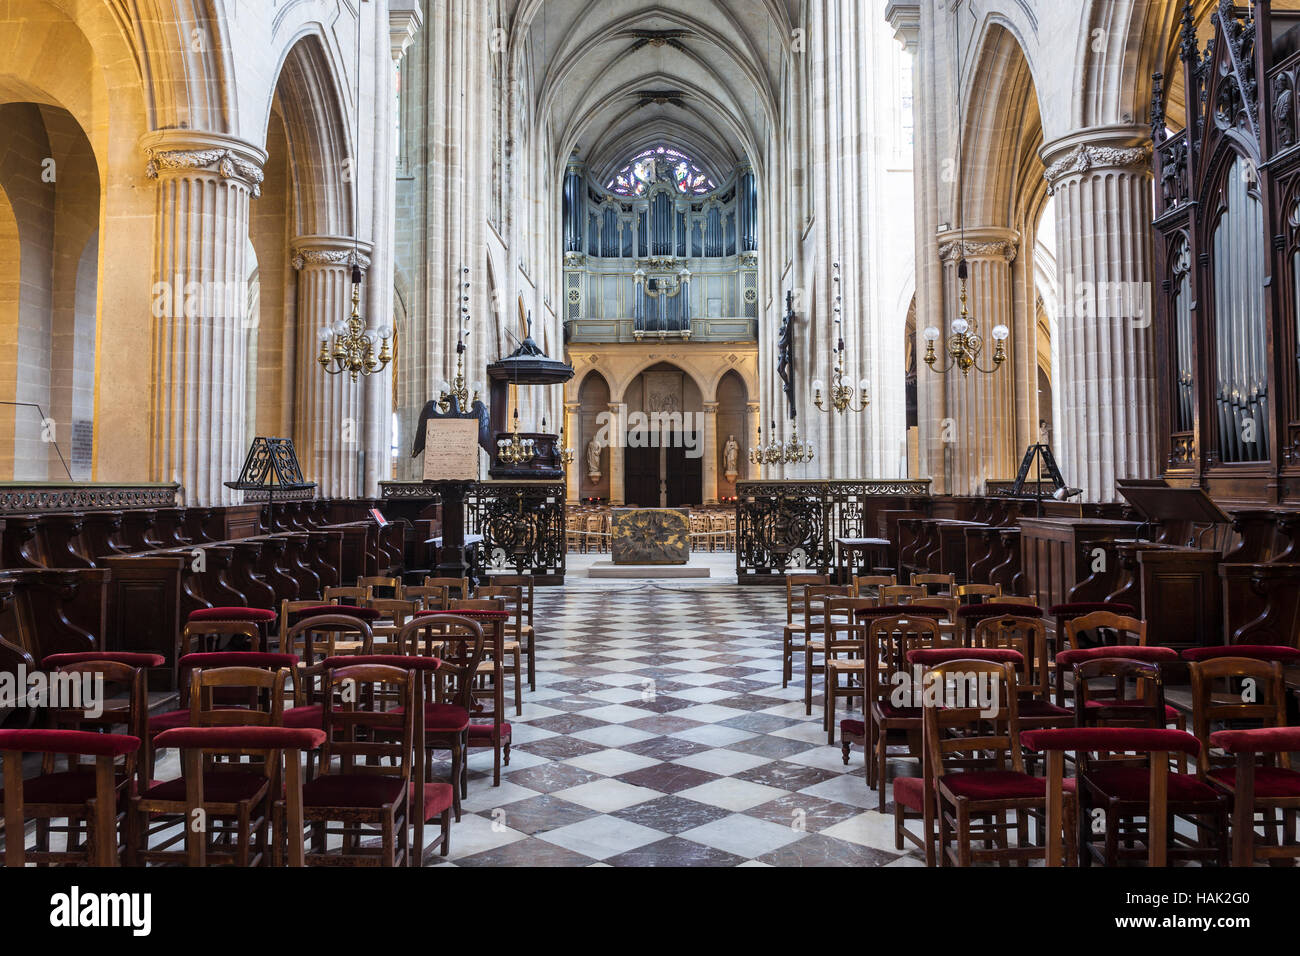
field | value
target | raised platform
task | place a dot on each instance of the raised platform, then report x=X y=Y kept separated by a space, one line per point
x=608 y=569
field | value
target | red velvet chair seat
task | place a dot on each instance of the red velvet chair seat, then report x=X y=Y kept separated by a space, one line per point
x=997 y=609
x=484 y=732
x=994 y=785
x=256 y=614
x=218 y=787
x=1171 y=712
x=1259 y=652
x=852 y=728
x=309 y=715
x=169 y=720
x=129 y=658
x=1042 y=708
x=347 y=610
x=351 y=790
x=443 y=718
x=65 y=786
x=83 y=743
x=1134 y=784
x=929 y=656
x=910 y=793
x=437 y=799
x=1271 y=783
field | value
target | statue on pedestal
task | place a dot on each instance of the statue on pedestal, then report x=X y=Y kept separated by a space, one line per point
x=730 y=452
x=593 y=460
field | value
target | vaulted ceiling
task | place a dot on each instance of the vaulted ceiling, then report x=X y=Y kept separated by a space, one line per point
x=610 y=78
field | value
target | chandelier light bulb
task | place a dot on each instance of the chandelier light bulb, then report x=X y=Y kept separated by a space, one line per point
x=960 y=326
x=1001 y=332
x=324 y=334
x=931 y=334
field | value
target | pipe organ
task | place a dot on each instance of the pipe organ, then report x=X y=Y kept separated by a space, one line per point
x=661 y=258
x=1227 y=255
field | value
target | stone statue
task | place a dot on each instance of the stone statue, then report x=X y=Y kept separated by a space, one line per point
x=730 y=452
x=593 y=460
x=1044 y=432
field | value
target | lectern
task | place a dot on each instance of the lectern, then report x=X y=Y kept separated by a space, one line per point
x=271 y=466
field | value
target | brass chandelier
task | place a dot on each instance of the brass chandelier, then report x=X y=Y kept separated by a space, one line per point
x=776 y=452
x=348 y=346
x=514 y=450
x=843 y=396
x=964 y=340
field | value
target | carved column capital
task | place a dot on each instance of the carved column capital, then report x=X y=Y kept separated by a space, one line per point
x=330 y=251
x=182 y=151
x=981 y=243
x=1096 y=149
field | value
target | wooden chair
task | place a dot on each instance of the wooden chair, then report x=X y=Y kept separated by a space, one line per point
x=892 y=717
x=430 y=800
x=935 y=584
x=978 y=768
x=393 y=585
x=511 y=598
x=199 y=637
x=815 y=597
x=460 y=647
x=978 y=593
x=457 y=588
x=90 y=793
x=371 y=784
x=275 y=752
x=903 y=594
x=869 y=585
x=393 y=613
x=795 y=585
x=573 y=537
x=237 y=808
x=305 y=640
x=1157 y=744
x=291 y=611
x=1269 y=788
x=914 y=796
x=341 y=595
x=433 y=597
x=1028 y=636
x=595 y=532
x=1112 y=629
x=525 y=583
x=843 y=656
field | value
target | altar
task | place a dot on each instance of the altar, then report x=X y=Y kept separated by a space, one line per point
x=650 y=536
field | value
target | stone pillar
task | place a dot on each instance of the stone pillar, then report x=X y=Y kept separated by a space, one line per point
x=617 y=440
x=979 y=432
x=327 y=408
x=710 y=484
x=754 y=415
x=573 y=471
x=200 y=330
x=1105 y=387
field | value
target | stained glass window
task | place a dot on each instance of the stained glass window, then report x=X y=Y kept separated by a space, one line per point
x=661 y=164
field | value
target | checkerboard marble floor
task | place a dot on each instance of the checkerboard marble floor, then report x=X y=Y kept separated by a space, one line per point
x=660 y=735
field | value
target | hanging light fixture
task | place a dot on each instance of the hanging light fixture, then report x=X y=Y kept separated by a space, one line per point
x=456 y=394
x=567 y=454
x=347 y=345
x=843 y=396
x=965 y=343
x=796 y=452
x=514 y=450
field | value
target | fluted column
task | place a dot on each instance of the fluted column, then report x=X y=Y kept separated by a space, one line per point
x=754 y=416
x=1105 y=388
x=573 y=474
x=979 y=432
x=617 y=441
x=328 y=422
x=710 y=489
x=200 y=329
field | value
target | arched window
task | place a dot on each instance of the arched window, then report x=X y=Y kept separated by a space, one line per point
x=661 y=164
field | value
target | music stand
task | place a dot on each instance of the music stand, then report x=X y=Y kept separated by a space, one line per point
x=1038 y=454
x=271 y=466
x=1177 y=509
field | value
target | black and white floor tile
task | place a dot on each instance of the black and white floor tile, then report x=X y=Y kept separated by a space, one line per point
x=660 y=735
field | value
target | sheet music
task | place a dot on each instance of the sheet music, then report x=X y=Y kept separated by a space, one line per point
x=451 y=449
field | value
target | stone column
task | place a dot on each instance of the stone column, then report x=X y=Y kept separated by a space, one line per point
x=710 y=483
x=1105 y=387
x=573 y=471
x=200 y=330
x=979 y=431
x=754 y=415
x=617 y=440
x=327 y=408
